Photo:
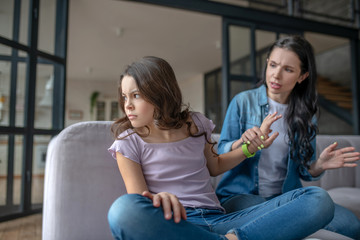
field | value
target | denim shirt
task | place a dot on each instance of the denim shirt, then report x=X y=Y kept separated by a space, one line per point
x=246 y=110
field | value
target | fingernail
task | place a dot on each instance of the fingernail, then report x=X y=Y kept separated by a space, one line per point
x=259 y=148
x=248 y=142
x=262 y=145
x=262 y=137
x=335 y=143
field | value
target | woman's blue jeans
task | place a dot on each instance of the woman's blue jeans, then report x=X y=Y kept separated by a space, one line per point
x=293 y=215
x=344 y=222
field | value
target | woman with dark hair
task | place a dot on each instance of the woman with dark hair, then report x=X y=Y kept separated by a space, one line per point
x=288 y=88
x=165 y=157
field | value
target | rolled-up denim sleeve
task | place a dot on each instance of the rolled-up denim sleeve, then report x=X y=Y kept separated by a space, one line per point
x=304 y=173
x=230 y=131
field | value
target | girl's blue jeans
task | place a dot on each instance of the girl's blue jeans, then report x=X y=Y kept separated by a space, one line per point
x=293 y=215
x=344 y=222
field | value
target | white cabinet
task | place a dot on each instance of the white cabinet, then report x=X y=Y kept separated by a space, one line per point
x=107 y=109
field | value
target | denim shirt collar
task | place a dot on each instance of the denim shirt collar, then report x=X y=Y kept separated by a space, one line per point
x=263 y=101
x=262 y=94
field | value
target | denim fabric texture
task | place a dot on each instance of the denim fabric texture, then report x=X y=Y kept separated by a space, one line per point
x=344 y=222
x=133 y=216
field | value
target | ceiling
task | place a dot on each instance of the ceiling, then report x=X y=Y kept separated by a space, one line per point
x=105 y=36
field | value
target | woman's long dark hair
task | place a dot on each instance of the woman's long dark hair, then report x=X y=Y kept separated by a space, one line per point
x=302 y=105
x=157 y=84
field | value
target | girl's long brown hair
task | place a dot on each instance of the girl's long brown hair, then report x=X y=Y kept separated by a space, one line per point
x=157 y=84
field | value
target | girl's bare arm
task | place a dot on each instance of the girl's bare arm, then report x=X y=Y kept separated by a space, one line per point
x=134 y=180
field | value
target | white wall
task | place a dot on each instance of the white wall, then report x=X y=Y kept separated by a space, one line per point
x=193 y=92
x=78 y=95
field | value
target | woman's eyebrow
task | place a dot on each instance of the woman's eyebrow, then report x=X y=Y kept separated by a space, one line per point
x=286 y=65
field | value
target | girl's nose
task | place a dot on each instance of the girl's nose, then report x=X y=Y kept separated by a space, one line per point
x=129 y=105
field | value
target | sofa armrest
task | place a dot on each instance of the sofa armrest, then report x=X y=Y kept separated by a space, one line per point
x=81 y=182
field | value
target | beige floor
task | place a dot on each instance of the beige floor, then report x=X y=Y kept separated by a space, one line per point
x=26 y=228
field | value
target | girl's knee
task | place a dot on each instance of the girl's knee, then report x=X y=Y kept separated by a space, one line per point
x=123 y=208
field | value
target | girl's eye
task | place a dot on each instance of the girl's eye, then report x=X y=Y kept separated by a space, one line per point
x=124 y=97
x=136 y=95
x=272 y=64
x=288 y=70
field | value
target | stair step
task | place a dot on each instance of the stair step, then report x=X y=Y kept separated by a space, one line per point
x=334 y=92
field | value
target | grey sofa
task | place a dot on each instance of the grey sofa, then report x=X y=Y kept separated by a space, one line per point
x=82 y=180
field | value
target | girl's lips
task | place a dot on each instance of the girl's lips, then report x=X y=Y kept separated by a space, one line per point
x=275 y=85
x=131 y=117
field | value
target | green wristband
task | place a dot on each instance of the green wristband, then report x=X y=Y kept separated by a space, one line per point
x=246 y=151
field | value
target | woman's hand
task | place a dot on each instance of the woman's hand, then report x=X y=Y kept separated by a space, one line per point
x=332 y=158
x=268 y=121
x=170 y=204
x=258 y=138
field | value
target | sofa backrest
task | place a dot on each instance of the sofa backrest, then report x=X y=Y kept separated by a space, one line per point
x=343 y=177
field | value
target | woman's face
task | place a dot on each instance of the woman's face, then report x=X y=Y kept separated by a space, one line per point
x=139 y=111
x=282 y=73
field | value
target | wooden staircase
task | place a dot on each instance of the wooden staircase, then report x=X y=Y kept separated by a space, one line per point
x=335 y=98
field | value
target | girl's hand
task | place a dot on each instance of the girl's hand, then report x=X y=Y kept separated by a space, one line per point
x=170 y=204
x=332 y=158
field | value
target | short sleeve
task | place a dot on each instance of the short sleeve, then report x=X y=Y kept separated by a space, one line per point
x=203 y=123
x=128 y=147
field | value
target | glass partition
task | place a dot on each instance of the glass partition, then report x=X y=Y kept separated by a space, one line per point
x=6 y=18
x=10 y=173
x=41 y=143
x=263 y=40
x=44 y=95
x=47 y=17
x=240 y=62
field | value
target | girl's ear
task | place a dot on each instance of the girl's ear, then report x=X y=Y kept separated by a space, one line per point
x=303 y=77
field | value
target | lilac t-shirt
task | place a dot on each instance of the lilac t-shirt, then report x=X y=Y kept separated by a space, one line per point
x=176 y=167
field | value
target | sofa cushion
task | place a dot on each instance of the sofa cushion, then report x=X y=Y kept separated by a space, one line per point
x=347 y=197
x=323 y=234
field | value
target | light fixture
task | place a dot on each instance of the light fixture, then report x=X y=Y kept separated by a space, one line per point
x=119 y=31
x=47 y=100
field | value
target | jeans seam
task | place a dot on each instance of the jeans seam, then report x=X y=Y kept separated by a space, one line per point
x=205 y=220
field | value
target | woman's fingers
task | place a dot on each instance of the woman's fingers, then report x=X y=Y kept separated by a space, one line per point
x=268 y=121
x=254 y=138
x=350 y=157
x=271 y=139
x=332 y=158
